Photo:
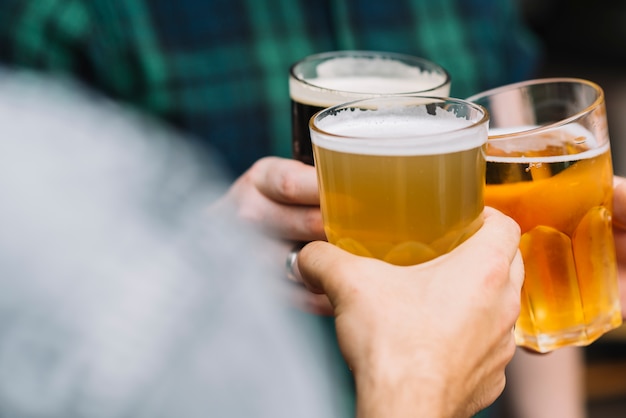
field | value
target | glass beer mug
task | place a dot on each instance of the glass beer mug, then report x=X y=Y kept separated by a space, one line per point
x=549 y=168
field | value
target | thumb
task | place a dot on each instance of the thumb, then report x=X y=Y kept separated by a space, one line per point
x=497 y=239
x=328 y=269
x=498 y=233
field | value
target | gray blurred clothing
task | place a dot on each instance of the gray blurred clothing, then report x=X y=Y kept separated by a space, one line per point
x=119 y=295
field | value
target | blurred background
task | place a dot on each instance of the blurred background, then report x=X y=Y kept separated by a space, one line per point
x=588 y=40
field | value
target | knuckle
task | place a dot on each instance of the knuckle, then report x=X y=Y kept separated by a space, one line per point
x=287 y=185
x=312 y=222
x=498 y=269
x=510 y=348
x=274 y=171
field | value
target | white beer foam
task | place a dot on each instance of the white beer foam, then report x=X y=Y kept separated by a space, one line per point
x=330 y=90
x=400 y=133
x=575 y=130
x=377 y=85
x=366 y=65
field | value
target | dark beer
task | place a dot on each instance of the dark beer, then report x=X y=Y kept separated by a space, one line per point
x=301 y=140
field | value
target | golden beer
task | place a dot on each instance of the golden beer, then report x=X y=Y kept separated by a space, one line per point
x=384 y=206
x=397 y=188
x=549 y=168
x=561 y=194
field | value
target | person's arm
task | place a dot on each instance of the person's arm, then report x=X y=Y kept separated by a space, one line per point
x=426 y=340
x=547 y=385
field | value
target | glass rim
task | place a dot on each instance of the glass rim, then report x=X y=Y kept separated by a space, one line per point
x=368 y=53
x=432 y=99
x=542 y=81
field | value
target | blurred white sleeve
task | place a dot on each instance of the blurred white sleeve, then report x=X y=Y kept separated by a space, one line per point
x=118 y=296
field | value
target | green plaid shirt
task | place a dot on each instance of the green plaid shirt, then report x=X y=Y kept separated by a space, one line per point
x=218 y=69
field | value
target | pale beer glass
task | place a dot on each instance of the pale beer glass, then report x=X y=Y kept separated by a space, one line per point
x=327 y=79
x=401 y=177
x=549 y=168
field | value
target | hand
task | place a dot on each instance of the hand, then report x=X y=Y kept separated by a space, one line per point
x=280 y=197
x=619 y=233
x=431 y=339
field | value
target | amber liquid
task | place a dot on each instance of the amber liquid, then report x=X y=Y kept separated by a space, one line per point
x=401 y=209
x=570 y=294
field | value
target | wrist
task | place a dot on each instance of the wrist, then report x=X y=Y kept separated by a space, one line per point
x=392 y=392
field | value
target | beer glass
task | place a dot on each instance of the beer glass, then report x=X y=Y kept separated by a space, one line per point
x=401 y=177
x=331 y=78
x=549 y=168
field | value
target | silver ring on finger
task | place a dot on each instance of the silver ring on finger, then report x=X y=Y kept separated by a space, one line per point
x=290 y=263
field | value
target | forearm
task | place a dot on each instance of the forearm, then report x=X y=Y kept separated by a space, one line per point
x=392 y=394
x=547 y=385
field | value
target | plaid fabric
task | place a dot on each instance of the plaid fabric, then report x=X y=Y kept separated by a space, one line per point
x=218 y=69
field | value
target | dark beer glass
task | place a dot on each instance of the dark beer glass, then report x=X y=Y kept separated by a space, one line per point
x=323 y=80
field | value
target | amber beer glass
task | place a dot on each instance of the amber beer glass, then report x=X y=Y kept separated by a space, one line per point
x=401 y=177
x=331 y=78
x=549 y=168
